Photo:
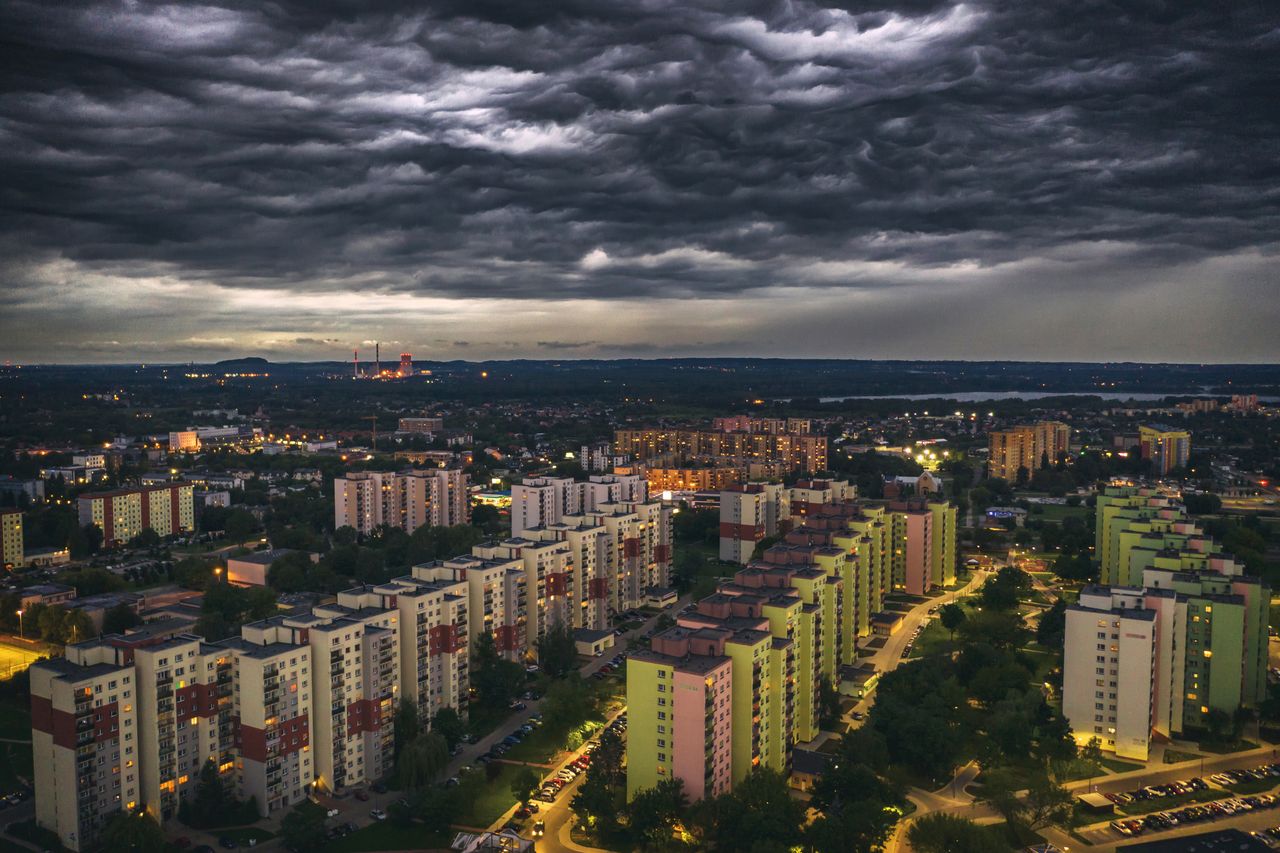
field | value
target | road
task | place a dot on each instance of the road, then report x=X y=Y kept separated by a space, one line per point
x=557 y=815
x=889 y=657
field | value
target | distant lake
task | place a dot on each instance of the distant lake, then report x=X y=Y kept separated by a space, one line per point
x=981 y=396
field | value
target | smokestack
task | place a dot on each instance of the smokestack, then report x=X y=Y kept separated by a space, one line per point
x=377 y=360
x=355 y=364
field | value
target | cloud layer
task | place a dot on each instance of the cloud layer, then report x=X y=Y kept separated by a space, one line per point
x=980 y=179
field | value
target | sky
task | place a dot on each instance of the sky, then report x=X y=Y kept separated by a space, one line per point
x=1058 y=179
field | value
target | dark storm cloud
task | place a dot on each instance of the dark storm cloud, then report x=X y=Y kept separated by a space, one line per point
x=615 y=150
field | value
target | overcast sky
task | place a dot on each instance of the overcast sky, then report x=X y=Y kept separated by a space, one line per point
x=1036 y=179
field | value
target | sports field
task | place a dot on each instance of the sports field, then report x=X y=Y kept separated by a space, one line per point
x=15 y=658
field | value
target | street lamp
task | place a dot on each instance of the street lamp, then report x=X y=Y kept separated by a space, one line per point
x=217 y=574
x=21 y=633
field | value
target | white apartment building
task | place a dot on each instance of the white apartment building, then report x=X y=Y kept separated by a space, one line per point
x=549 y=572
x=434 y=617
x=542 y=501
x=749 y=513
x=590 y=554
x=366 y=500
x=497 y=597
x=84 y=734
x=1159 y=658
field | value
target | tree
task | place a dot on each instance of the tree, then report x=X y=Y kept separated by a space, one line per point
x=1092 y=751
x=952 y=617
x=860 y=826
x=758 y=814
x=828 y=705
x=999 y=790
x=291 y=572
x=119 y=619
x=1047 y=803
x=487 y=518
x=422 y=760
x=404 y=725
x=606 y=761
x=557 y=651
x=449 y=725
x=136 y=832
x=1003 y=591
x=945 y=833
x=497 y=681
x=1052 y=627
x=654 y=811
x=436 y=807
x=1000 y=629
x=523 y=784
x=240 y=525
x=147 y=538
x=303 y=827
x=211 y=800
x=91 y=534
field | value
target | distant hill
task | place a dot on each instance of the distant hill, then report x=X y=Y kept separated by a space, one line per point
x=249 y=361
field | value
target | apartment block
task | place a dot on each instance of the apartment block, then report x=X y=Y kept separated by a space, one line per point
x=808 y=495
x=367 y=500
x=1153 y=660
x=587 y=585
x=918 y=537
x=435 y=615
x=300 y=700
x=637 y=553
x=1166 y=447
x=799 y=451
x=749 y=513
x=1136 y=524
x=542 y=501
x=124 y=513
x=548 y=578
x=497 y=597
x=679 y=721
x=426 y=424
x=11 y=553
x=186 y=712
x=355 y=662
x=85 y=744
x=1026 y=447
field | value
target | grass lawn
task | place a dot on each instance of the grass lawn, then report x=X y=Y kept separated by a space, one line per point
x=485 y=800
x=385 y=835
x=1116 y=765
x=15 y=758
x=933 y=640
x=1077 y=769
x=1173 y=756
x=1227 y=748
x=43 y=838
x=1057 y=512
x=481 y=721
x=244 y=834
x=549 y=742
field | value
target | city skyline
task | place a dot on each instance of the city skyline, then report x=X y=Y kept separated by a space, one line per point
x=911 y=179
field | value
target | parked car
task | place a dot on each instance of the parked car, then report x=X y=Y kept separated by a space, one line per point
x=378 y=814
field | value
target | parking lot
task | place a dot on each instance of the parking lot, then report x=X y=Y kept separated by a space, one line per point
x=1190 y=801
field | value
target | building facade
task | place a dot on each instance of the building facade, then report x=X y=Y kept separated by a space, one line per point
x=1166 y=447
x=366 y=500
x=11 y=547
x=124 y=513
x=1026 y=448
